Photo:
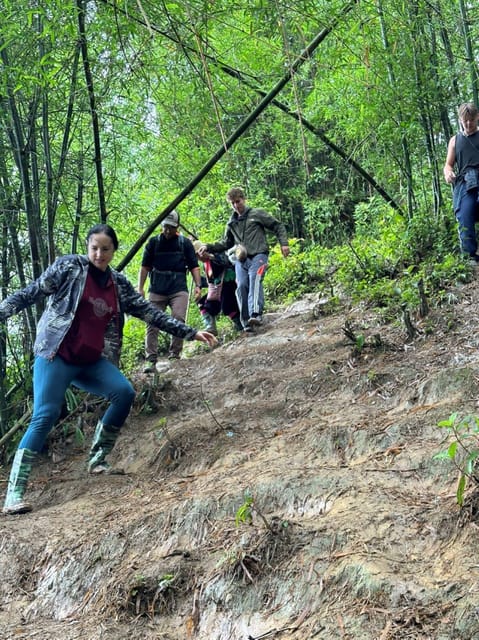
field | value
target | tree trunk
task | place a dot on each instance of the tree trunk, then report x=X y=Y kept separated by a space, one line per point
x=470 y=58
x=21 y=155
x=65 y=142
x=407 y=169
x=93 y=110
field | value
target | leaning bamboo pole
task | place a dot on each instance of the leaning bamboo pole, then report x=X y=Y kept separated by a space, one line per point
x=228 y=143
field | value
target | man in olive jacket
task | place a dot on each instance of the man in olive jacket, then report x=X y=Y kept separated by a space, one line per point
x=247 y=229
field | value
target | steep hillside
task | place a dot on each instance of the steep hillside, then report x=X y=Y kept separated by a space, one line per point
x=353 y=533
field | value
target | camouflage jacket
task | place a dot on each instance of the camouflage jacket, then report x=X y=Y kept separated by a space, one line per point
x=62 y=283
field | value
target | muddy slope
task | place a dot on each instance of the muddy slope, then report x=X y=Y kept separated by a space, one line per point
x=282 y=486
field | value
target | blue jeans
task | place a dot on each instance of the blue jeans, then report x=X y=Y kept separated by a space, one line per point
x=51 y=379
x=467 y=215
x=249 y=285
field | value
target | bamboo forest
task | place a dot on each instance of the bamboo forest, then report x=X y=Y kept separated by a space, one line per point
x=309 y=473
x=333 y=115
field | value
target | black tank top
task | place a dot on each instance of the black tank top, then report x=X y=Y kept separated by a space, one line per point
x=467 y=152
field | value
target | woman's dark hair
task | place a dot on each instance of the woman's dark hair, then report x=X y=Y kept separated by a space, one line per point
x=107 y=230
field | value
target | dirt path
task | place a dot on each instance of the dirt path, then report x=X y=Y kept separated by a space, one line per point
x=354 y=532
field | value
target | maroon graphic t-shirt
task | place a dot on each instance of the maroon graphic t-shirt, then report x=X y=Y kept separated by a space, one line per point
x=84 y=341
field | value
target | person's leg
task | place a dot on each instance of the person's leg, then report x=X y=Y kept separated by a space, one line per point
x=201 y=302
x=17 y=482
x=51 y=378
x=211 y=309
x=209 y=322
x=242 y=288
x=151 y=336
x=466 y=218
x=236 y=320
x=106 y=380
x=205 y=316
x=179 y=304
x=256 y=272
x=229 y=304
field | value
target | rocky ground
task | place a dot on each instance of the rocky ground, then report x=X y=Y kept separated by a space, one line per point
x=283 y=486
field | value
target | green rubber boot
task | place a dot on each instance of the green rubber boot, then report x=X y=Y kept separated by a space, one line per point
x=210 y=323
x=103 y=442
x=17 y=483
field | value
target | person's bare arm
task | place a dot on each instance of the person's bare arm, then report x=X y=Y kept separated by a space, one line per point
x=196 y=275
x=143 y=274
x=449 y=175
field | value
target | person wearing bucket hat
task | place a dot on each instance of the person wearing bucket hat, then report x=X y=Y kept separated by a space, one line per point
x=220 y=297
x=246 y=233
x=166 y=260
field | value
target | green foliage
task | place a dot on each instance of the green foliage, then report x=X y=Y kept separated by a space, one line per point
x=79 y=436
x=132 y=353
x=245 y=511
x=360 y=340
x=463 y=450
x=69 y=428
x=133 y=344
x=287 y=278
x=381 y=265
x=326 y=219
x=171 y=90
x=140 y=582
x=389 y=256
x=72 y=400
x=165 y=581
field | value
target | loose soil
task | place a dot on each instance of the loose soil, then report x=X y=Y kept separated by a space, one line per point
x=283 y=485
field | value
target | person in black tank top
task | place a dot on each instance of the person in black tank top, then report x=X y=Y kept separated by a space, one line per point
x=462 y=171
